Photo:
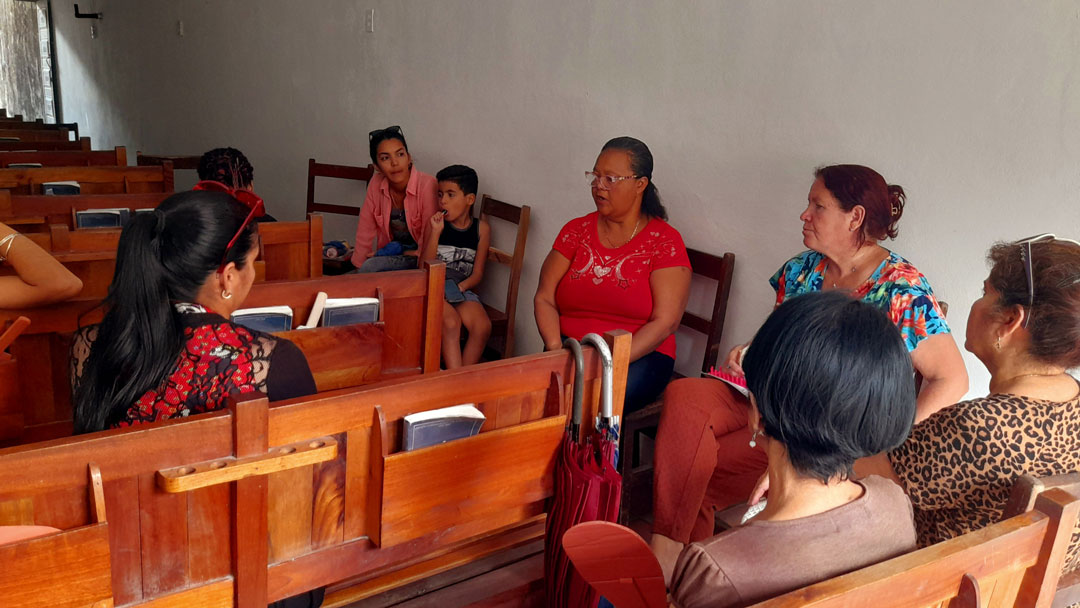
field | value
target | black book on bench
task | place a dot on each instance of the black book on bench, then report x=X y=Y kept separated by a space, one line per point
x=433 y=427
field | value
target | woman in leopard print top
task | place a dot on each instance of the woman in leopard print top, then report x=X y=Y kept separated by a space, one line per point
x=959 y=465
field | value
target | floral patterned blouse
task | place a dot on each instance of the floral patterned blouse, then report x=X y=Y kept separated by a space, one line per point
x=219 y=358
x=895 y=286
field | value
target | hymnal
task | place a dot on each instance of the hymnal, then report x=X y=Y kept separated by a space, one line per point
x=60 y=188
x=101 y=218
x=348 y=311
x=268 y=318
x=433 y=427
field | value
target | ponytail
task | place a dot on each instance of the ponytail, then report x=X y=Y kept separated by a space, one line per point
x=650 y=202
x=641 y=162
x=162 y=257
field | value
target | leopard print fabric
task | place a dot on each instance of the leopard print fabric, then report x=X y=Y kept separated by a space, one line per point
x=959 y=465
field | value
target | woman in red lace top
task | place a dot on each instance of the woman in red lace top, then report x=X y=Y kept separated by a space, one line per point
x=620 y=267
x=166 y=347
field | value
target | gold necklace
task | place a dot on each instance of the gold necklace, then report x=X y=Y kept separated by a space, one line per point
x=637 y=226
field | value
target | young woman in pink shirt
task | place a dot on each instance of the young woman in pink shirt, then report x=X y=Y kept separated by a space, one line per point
x=400 y=200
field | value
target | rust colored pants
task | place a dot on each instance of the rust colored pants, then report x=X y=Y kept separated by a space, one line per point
x=703 y=459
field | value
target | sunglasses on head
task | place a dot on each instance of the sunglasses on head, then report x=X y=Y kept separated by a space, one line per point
x=394 y=130
x=247 y=198
x=1025 y=256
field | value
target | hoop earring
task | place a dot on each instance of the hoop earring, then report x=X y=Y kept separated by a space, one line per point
x=225 y=295
x=753 y=438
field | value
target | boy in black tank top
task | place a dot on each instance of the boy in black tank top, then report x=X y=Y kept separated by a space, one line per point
x=461 y=242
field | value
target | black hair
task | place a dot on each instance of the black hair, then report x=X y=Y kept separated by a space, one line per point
x=463 y=176
x=641 y=163
x=162 y=257
x=378 y=136
x=833 y=382
x=228 y=166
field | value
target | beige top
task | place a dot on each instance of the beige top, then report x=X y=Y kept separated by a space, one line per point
x=762 y=559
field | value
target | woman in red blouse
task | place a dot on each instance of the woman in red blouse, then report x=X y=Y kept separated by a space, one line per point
x=620 y=267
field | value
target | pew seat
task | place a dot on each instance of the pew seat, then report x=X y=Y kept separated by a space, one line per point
x=35 y=213
x=82 y=143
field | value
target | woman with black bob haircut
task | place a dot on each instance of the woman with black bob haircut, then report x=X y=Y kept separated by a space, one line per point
x=166 y=348
x=830 y=382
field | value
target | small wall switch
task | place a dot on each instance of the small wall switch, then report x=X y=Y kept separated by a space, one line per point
x=180 y=28
x=369 y=20
x=93 y=31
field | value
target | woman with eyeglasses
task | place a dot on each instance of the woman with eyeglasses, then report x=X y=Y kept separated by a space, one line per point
x=959 y=465
x=703 y=459
x=399 y=202
x=166 y=347
x=619 y=267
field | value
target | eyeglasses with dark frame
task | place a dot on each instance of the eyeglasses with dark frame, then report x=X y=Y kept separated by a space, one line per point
x=247 y=198
x=1025 y=256
x=606 y=182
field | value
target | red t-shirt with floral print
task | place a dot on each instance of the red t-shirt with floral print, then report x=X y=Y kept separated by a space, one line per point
x=607 y=289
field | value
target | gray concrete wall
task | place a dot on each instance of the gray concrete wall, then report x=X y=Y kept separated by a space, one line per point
x=971 y=105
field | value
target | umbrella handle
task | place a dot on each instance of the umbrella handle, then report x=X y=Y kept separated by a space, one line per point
x=579 y=386
x=608 y=375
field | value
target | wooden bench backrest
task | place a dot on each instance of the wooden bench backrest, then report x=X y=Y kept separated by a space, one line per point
x=502 y=321
x=1012 y=563
x=29 y=212
x=68 y=158
x=408 y=343
x=1025 y=491
x=69 y=569
x=82 y=143
x=180 y=163
x=315 y=169
x=34 y=135
x=39 y=125
x=93 y=180
x=340 y=501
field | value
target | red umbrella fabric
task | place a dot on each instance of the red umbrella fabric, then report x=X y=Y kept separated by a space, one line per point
x=587 y=484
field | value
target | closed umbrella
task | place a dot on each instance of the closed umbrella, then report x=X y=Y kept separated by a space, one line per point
x=587 y=483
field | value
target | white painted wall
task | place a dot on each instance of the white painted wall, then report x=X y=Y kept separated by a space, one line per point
x=973 y=106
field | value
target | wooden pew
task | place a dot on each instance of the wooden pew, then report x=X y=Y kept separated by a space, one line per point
x=68 y=158
x=180 y=163
x=1012 y=563
x=28 y=212
x=39 y=125
x=83 y=143
x=94 y=180
x=288 y=251
x=69 y=569
x=35 y=135
x=409 y=342
x=256 y=504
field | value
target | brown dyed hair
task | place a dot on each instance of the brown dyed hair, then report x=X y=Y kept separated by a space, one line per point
x=1054 y=317
x=858 y=185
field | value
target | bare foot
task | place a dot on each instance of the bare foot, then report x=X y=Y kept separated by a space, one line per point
x=667 y=553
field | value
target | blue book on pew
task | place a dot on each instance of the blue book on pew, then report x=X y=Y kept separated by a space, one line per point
x=102 y=218
x=268 y=318
x=433 y=427
x=60 y=188
x=349 y=311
